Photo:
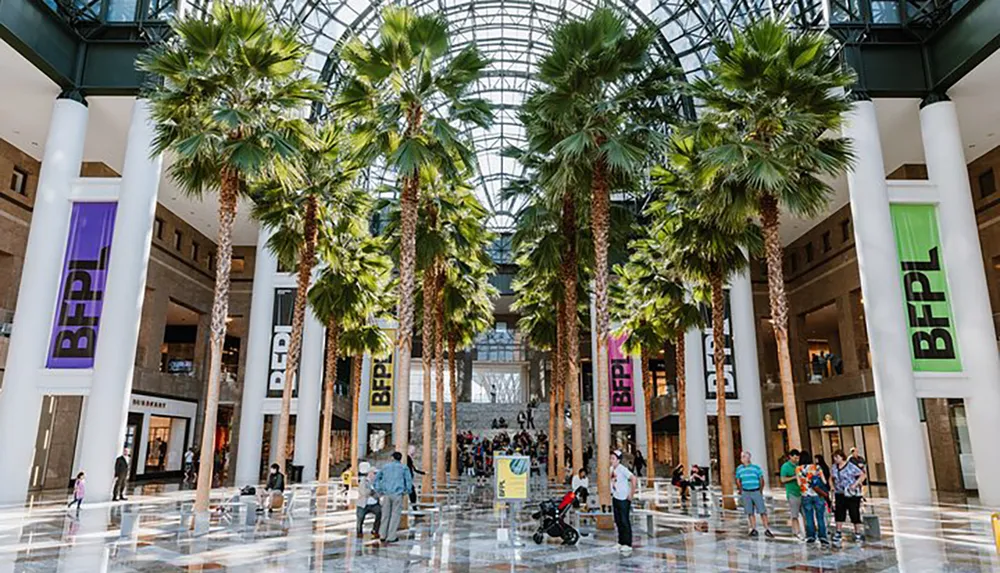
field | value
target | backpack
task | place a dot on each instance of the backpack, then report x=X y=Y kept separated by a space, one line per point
x=820 y=487
x=248 y=490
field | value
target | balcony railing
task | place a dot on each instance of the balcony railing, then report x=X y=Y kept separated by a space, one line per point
x=78 y=12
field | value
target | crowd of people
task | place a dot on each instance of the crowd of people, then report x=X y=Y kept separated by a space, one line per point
x=475 y=453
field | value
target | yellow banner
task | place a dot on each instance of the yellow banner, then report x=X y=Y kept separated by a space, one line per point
x=380 y=381
x=512 y=476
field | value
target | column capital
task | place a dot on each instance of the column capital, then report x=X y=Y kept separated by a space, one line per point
x=934 y=97
x=74 y=94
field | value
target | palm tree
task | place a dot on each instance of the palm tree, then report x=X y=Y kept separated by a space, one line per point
x=348 y=297
x=227 y=110
x=781 y=96
x=680 y=316
x=706 y=250
x=605 y=101
x=468 y=312
x=463 y=293
x=406 y=94
x=641 y=298
x=451 y=239
x=293 y=214
x=653 y=306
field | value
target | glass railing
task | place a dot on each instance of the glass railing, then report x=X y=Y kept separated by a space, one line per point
x=916 y=13
x=115 y=11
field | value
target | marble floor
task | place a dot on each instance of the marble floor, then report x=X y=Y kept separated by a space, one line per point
x=146 y=534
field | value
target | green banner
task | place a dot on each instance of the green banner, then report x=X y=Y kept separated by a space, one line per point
x=930 y=323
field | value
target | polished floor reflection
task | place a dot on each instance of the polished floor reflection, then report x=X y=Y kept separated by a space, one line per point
x=460 y=534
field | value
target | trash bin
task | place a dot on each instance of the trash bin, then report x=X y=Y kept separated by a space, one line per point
x=295 y=473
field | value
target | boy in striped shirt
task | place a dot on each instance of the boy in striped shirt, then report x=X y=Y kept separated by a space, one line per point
x=750 y=482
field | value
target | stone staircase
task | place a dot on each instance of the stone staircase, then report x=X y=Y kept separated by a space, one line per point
x=478 y=417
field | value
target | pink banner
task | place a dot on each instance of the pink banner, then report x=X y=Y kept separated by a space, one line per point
x=622 y=387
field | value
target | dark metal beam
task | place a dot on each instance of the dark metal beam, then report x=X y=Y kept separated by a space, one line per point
x=49 y=44
x=893 y=63
x=963 y=42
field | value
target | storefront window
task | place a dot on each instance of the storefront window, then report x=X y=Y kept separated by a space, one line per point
x=179 y=336
x=379 y=438
x=825 y=356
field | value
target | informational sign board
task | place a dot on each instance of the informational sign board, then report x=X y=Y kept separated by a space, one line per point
x=380 y=380
x=73 y=341
x=929 y=320
x=708 y=346
x=281 y=338
x=622 y=386
x=511 y=477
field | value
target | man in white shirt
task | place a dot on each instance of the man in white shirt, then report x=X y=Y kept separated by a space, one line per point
x=623 y=485
x=367 y=500
x=189 y=465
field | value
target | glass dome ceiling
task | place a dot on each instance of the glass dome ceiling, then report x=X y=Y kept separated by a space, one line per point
x=513 y=34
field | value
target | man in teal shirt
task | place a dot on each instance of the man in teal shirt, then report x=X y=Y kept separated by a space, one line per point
x=792 y=491
x=750 y=482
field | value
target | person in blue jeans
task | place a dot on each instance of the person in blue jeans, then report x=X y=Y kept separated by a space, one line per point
x=393 y=482
x=814 y=485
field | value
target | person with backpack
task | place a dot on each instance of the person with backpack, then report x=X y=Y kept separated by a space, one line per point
x=815 y=494
x=848 y=480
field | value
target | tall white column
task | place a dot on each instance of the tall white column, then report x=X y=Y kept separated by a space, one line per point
x=747 y=369
x=696 y=410
x=885 y=317
x=309 y=398
x=20 y=401
x=970 y=300
x=366 y=365
x=258 y=358
x=114 y=359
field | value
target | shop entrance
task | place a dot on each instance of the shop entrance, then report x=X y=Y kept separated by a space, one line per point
x=55 y=442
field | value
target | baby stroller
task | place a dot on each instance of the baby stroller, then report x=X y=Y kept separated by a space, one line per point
x=551 y=517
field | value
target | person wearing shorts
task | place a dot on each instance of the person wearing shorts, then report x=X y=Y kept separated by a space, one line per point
x=792 y=491
x=750 y=483
x=847 y=482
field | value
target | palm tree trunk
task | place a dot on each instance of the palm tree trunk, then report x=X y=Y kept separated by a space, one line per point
x=679 y=345
x=439 y=466
x=600 y=211
x=779 y=314
x=554 y=356
x=220 y=311
x=306 y=263
x=647 y=392
x=355 y=408
x=408 y=207
x=560 y=390
x=571 y=381
x=329 y=379
x=452 y=364
x=725 y=433
x=427 y=361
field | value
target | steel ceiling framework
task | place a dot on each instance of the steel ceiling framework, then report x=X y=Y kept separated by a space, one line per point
x=513 y=35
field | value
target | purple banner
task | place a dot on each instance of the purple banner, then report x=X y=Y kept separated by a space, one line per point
x=622 y=385
x=81 y=286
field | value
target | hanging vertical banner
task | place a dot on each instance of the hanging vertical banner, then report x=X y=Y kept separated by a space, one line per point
x=380 y=381
x=81 y=286
x=708 y=344
x=281 y=337
x=622 y=386
x=929 y=321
